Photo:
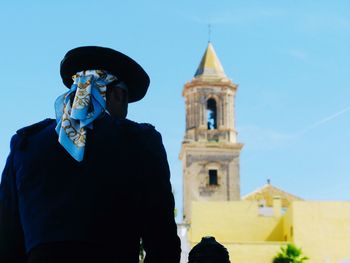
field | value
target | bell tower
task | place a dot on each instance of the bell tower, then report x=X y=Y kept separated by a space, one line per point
x=210 y=151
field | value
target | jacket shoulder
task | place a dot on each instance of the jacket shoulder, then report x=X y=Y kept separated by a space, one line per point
x=19 y=140
x=136 y=127
x=147 y=127
x=34 y=128
x=144 y=133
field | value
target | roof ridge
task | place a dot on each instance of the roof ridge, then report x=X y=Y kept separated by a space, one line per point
x=272 y=186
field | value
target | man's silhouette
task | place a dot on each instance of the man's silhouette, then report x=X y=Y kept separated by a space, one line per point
x=87 y=186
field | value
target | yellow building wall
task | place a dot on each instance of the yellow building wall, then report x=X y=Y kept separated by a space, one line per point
x=262 y=252
x=234 y=221
x=288 y=225
x=322 y=229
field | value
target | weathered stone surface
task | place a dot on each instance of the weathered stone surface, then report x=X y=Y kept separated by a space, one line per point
x=210 y=140
x=204 y=149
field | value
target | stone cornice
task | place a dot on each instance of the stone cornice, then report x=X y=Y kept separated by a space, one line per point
x=205 y=83
x=203 y=146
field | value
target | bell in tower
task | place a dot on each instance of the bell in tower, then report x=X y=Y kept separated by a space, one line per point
x=210 y=151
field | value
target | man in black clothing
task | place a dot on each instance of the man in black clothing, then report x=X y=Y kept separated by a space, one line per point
x=89 y=185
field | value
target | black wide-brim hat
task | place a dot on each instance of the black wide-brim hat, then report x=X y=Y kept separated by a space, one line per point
x=116 y=63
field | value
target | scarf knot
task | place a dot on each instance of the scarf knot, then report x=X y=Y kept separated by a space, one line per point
x=79 y=107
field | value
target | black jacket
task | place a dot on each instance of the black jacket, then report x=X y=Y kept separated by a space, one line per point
x=103 y=205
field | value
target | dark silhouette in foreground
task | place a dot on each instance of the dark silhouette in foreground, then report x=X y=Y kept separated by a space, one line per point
x=208 y=251
x=88 y=185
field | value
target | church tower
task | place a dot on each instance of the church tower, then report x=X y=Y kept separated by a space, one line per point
x=210 y=151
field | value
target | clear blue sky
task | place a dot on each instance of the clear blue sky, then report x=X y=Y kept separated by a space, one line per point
x=291 y=60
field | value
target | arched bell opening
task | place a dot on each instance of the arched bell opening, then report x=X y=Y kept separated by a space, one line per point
x=211 y=114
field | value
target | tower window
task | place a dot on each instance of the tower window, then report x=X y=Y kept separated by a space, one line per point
x=213 y=177
x=211 y=114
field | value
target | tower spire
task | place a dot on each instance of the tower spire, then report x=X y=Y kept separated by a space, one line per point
x=210 y=66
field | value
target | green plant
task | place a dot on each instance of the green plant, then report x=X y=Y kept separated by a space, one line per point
x=290 y=254
x=141 y=253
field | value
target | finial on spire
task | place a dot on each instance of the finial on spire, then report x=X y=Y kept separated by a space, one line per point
x=209 y=32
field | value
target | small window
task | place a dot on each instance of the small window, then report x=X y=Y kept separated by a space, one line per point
x=213 y=177
x=262 y=203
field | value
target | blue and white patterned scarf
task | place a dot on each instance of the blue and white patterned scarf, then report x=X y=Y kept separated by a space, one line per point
x=74 y=114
